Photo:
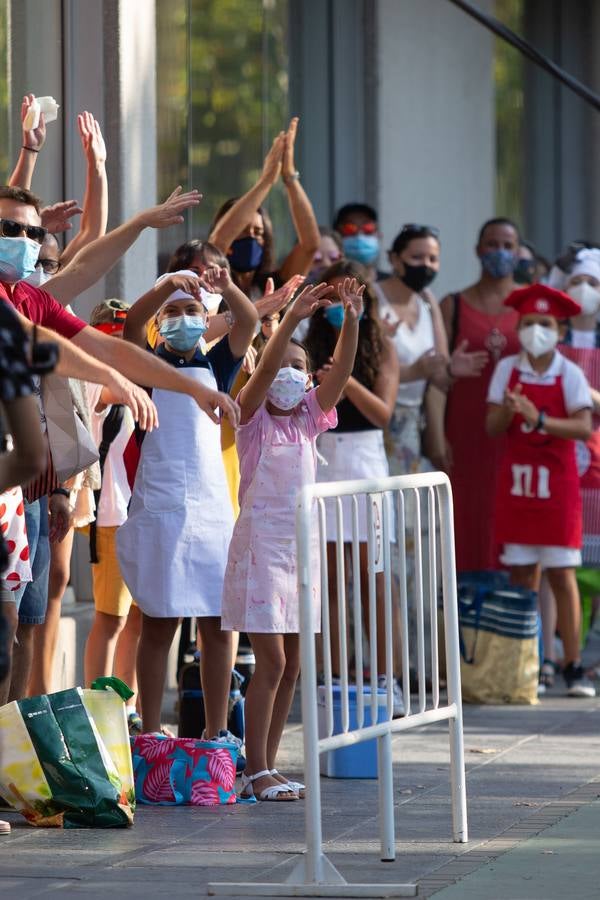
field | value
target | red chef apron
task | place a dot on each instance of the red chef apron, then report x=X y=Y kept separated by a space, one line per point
x=538 y=500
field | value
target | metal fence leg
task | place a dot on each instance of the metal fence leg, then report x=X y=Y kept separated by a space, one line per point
x=385 y=776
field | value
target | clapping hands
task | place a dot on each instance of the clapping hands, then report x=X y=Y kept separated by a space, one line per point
x=517 y=403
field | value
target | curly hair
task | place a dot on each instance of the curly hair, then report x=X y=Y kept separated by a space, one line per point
x=321 y=338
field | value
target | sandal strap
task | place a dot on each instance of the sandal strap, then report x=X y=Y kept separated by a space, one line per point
x=275 y=790
x=258 y=775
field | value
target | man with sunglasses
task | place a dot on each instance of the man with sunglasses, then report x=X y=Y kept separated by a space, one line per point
x=357 y=225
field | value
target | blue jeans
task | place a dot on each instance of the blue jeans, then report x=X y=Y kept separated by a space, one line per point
x=32 y=601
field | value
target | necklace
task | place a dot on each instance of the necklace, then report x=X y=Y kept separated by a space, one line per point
x=495 y=341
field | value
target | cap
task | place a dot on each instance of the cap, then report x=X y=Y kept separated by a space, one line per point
x=587 y=262
x=544 y=300
x=109 y=312
x=210 y=301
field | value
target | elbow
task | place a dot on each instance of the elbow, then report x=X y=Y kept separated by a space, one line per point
x=586 y=432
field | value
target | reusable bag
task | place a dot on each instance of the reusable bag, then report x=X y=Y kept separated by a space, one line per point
x=105 y=702
x=54 y=766
x=71 y=445
x=176 y=771
x=498 y=640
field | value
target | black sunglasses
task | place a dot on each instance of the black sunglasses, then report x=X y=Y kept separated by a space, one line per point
x=428 y=230
x=11 y=229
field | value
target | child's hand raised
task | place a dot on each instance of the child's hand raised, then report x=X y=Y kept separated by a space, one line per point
x=351 y=293
x=216 y=279
x=188 y=284
x=310 y=300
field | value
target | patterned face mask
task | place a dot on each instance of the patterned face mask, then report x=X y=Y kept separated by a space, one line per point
x=288 y=388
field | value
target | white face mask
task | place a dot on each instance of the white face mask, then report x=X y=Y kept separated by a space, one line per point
x=38 y=278
x=587 y=296
x=288 y=388
x=537 y=339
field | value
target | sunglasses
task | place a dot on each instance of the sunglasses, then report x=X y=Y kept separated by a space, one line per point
x=425 y=230
x=11 y=229
x=349 y=229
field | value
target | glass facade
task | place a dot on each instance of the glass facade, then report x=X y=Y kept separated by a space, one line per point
x=509 y=82
x=222 y=95
x=4 y=95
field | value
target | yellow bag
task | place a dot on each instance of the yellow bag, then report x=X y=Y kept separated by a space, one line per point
x=107 y=709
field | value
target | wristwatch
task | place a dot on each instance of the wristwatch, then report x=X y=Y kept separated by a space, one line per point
x=295 y=176
x=540 y=422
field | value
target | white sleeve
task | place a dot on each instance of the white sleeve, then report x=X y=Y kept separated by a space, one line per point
x=500 y=379
x=576 y=388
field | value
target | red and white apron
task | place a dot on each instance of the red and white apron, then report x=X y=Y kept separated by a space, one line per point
x=538 y=501
x=588 y=458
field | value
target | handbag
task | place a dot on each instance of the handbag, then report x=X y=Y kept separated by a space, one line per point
x=72 y=447
x=183 y=771
x=498 y=634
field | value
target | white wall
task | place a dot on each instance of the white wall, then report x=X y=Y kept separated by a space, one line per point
x=435 y=72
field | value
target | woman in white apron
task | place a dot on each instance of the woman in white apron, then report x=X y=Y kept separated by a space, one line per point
x=173 y=548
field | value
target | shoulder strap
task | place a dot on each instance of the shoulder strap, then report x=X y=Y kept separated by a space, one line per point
x=110 y=429
x=455 y=321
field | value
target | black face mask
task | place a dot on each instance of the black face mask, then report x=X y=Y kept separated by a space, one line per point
x=417 y=277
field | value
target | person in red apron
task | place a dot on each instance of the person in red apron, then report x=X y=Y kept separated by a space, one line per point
x=542 y=402
x=280 y=420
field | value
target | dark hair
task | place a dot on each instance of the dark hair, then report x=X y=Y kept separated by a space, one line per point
x=499 y=220
x=413 y=233
x=268 y=261
x=20 y=195
x=324 y=231
x=349 y=209
x=183 y=257
x=321 y=338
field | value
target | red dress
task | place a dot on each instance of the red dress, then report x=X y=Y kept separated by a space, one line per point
x=476 y=457
x=588 y=458
x=538 y=500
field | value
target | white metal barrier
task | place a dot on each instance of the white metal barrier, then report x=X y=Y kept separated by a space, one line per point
x=395 y=510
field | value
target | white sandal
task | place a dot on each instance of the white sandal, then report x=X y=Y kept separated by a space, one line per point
x=296 y=786
x=273 y=792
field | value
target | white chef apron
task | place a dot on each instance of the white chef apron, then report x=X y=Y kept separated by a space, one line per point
x=173 y=547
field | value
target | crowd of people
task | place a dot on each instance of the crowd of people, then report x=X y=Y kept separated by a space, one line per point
x=194 y=413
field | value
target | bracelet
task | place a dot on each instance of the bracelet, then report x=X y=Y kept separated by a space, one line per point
x=295 y=176
x=540 y=422
x=63 y=492
x=31 y=149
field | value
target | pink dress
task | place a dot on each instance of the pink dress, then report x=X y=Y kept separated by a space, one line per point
x=277 y=457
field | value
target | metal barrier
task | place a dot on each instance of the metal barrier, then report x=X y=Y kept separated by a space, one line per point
x=395 y=509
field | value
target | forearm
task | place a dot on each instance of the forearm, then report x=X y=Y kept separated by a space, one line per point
x=595 y=400
x=144 y=308
x=93 y=262
x=303 y=217
x=270 y=361
x=95 y=211
x=245 y=319
x=435 y=409
x=28 y=458
x=23 y=171
x=373 y=408
x=498 y=420
x=332 y=386
x=230 y=226
x=570 y=429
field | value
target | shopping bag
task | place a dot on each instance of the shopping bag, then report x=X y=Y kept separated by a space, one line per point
x=71 y=445
x=192 y=719
x=176 y=771
x=498 y=626
x=105 y=702
x=54 y=766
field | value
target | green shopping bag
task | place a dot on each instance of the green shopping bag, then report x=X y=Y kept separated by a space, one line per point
x=105 y=702
x=79 y=785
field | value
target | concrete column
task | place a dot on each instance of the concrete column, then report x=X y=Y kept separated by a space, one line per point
x=436 y=128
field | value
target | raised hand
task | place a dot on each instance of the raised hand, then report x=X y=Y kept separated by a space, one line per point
x=170 y=212
x=143 y=409
x=310 y=300
x=273 y=159
x=33 y=139
x=249 y=364
x=351 y=293
x=216 y=279
x=465 y=364
x=273 y=301
x=189 y=284
x=55 y=218
x=288 y=167
x=91 y=138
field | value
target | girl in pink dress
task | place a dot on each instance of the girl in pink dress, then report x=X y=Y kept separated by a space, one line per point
x=281 y=417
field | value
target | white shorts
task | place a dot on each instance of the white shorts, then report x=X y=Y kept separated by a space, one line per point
x=547 y=557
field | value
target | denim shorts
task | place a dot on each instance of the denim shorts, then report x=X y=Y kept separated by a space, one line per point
x=32 y=600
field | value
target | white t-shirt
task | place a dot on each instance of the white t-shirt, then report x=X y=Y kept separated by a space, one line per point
x=116 y=493
x=575 y=386
x=410 y=343
x=583 y=340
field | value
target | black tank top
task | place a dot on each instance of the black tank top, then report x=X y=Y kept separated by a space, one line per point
x=351 y=419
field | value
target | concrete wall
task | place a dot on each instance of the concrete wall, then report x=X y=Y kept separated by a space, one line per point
x=435 y=72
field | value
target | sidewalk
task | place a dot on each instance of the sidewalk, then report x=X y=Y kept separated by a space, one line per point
x=528 y=768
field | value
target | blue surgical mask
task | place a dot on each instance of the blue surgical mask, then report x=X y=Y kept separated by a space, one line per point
x=499 y=263
x=335 y=315
x=18 y=257
x=183 y=332
x=246 y=255
x=38 y=277
x=363 y=248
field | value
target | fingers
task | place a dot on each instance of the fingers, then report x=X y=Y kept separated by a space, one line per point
x=462 y=346
x=269 y=286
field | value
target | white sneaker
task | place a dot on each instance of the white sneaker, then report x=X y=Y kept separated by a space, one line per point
x=397 y=698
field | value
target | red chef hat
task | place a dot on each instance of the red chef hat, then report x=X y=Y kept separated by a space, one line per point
x=539 y=298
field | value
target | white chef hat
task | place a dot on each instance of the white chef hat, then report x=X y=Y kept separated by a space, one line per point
x=210 y=301
x=587 y=262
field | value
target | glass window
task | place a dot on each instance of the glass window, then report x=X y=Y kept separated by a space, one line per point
x=508 y=70
x=222 y=95
x=4 y=96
